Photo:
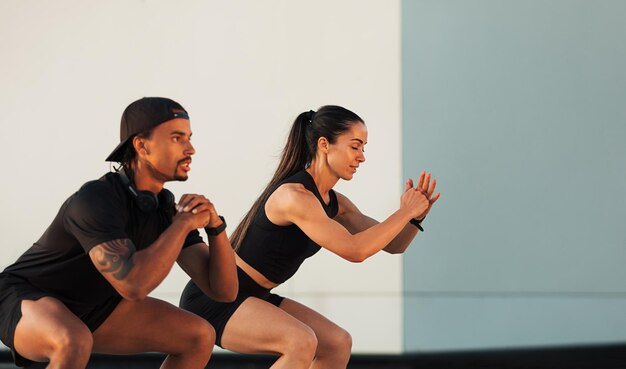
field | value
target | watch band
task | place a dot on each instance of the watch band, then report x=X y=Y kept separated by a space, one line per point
x=217 y=230
x=417 y=223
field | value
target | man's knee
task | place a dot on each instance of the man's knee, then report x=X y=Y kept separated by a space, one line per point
x=71 y=342
x=47 y=330
x=201 y=336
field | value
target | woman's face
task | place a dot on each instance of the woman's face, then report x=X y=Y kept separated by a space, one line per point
x=348 y=151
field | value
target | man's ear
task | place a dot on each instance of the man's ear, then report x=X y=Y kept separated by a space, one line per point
x=139 y=143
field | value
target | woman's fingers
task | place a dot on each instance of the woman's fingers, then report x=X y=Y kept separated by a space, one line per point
x=420 y=182
x=431 y=189
x=435 y=198
x=426 y=184
x=408 y=184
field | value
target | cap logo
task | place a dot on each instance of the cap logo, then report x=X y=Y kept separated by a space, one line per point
x=181 y=115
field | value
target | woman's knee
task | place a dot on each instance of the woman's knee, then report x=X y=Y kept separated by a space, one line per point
x=338 y=343
x=303 y=343
x=343 y=341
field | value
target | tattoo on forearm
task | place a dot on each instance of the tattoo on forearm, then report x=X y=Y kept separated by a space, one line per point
x=115 y=257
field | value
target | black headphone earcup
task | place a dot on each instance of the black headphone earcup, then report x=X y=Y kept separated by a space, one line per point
x=147 y=201
x=166 y=199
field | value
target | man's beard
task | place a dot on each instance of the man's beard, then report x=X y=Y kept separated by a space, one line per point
x=158 y=175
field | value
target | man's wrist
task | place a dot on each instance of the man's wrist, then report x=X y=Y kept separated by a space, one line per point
x=216 y=229
x=185 y=226
x=216 y=222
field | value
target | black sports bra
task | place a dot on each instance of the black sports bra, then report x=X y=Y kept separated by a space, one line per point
x=278 y=251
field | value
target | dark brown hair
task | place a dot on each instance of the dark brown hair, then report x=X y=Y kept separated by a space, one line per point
x=329 y=121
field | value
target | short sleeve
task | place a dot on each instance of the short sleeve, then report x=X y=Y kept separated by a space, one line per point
x=193 y=238
x=94 y=215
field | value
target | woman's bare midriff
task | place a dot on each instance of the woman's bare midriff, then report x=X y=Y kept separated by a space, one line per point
x=254 y=274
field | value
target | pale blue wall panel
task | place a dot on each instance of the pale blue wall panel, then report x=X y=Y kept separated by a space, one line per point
x=519 y=109
x=449 y=323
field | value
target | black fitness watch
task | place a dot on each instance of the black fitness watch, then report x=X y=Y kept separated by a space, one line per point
x=417 y=223
x=217 y=230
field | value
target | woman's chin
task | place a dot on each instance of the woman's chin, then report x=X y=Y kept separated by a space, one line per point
x=348 y=176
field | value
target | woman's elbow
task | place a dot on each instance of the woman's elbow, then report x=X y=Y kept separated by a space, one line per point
x=396 y=251
x=356 y=257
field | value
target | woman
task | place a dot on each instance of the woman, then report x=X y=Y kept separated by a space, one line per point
x=297 y=213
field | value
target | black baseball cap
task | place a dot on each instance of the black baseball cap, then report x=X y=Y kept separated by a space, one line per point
x=143 y=115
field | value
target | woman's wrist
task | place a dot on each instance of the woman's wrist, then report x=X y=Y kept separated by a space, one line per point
x=406 y=214
x=417 y=223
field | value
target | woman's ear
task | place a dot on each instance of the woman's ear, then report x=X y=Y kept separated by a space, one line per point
x=322 y=145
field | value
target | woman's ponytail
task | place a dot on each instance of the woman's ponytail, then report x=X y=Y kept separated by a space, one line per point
x=295 y=157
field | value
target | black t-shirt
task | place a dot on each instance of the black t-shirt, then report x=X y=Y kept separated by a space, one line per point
x=101 y=210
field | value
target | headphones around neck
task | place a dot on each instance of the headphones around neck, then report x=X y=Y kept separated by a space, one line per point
x=146 y=200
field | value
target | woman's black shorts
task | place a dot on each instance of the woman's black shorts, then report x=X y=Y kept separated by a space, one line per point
x=218 y=313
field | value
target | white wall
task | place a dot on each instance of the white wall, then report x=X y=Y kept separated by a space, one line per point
x=244 y=70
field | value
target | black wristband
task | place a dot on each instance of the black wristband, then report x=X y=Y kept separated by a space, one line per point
x=417 y=223
x=217 y=230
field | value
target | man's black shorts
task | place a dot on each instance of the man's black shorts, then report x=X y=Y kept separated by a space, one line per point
x=13 y=290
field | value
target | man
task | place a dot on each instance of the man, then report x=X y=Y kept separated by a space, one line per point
x=83 y=286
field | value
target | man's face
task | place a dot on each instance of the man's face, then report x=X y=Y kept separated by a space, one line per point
x=167 y=153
